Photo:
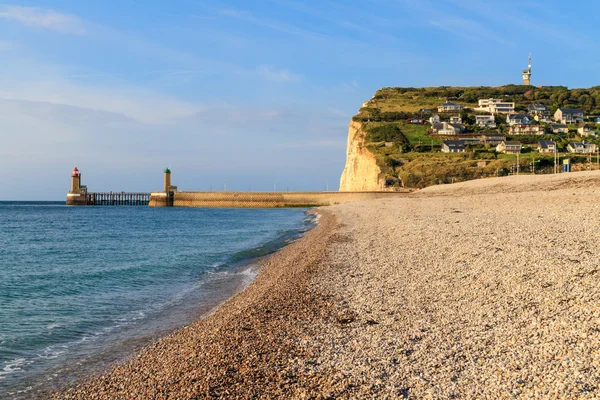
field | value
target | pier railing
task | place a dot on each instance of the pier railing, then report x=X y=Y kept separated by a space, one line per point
x=117 y=199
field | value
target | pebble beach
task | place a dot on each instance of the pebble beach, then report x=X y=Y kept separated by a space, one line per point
x=482 y=289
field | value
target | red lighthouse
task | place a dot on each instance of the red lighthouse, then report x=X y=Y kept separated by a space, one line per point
x=77 y=195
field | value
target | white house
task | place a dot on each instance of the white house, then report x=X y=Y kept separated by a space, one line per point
x=434 y=119
x=455 y=120
x=518 y=119
x=485 y=121
x=525 y=130
x=449 y=107
x=446 y=128
x=581 y=147
x=538 y=110
x=585 y=131
x=568 y=115
x=547 y=146
x=496 y=106
x=453 y=146
x=509 y=147
x=559 y=128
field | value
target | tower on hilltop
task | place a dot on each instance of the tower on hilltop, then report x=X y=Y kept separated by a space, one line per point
x=527 y=73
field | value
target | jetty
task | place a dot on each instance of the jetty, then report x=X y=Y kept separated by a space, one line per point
x=117 y=199
x=171 y=197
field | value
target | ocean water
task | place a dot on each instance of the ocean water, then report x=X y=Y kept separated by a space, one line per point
x=81 y=287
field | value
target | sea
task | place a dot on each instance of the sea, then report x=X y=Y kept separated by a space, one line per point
x=84 y=287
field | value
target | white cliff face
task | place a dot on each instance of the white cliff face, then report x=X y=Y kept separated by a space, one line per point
x=361 y=172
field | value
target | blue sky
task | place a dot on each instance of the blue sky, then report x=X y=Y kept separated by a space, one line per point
x=252 y=93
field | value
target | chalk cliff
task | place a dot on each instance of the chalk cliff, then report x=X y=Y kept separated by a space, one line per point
x=361 y=172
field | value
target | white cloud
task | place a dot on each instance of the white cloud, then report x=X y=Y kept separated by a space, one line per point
x=49 y=19
x=277 y=75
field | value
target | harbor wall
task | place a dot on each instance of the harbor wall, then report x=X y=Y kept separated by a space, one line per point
x=265 y=199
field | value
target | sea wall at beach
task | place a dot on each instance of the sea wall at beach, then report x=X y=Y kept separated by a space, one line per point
x=266 y=199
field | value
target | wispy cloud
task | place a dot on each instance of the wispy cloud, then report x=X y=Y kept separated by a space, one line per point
x=277 y=75
x=43 y=18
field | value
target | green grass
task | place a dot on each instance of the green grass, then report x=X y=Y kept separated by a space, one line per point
x=384 y=119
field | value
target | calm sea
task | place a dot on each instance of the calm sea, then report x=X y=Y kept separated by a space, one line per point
x=81 y=287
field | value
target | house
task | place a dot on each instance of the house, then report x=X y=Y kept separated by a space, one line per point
x=559 y=128
x=434 y=119
x=538 y=110
x=509 y=147
x=455 y=120
x=581 y=147
x=543 y=118
x=495 y=106
x=568 y=115
x=453 y=146
x=547 y=146
x=492 y=138
x=424 y=111
x=526 y=130
x=446 y=128
x=471 y=141
x=597 y=120
x=518 y=119
x=586 y=130
x=449 y=107
x=485 y=121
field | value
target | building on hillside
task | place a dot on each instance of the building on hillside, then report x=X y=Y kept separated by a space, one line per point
x=492 y=138
x=546 y=119
x=495 y=106
x=509 y=147
x=586 y=130
x=455 y=120
x=526 y=130
x=518 y=119
x=538 y=109
x=471 y=140
x=453 y=146
x=446 y=128
x=527 y=73
x=416 y=121
x=449 y=107
x=485 y=121
x=434 y=119
x=581 y=148
x=597 y=120
x=568 y=115
x=559 y=128
x=547 y=146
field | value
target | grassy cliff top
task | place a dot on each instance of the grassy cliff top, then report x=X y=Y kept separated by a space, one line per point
x=409 y=155
x=412 y=100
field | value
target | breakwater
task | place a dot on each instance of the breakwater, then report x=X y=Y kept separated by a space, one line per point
x=262 y=199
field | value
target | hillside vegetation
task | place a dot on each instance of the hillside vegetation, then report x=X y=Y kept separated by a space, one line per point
x=410 y=156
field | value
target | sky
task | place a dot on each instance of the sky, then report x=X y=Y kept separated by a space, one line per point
x=254 y=95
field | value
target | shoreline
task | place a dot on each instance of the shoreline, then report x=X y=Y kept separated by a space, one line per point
x=224 y=317
x=228 y=276
x=474 y=290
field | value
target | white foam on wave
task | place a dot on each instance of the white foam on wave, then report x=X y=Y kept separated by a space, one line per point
x=12 y=366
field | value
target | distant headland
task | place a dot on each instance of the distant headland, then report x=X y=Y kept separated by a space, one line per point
x=417 y=137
